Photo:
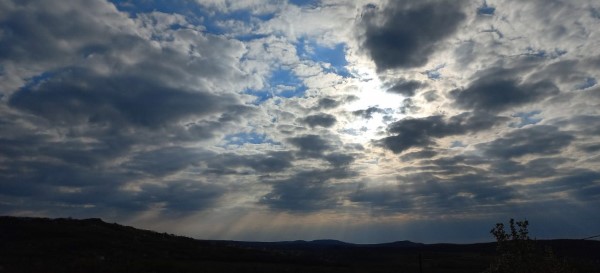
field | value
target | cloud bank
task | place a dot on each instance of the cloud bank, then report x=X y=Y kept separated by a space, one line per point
x=367 y=121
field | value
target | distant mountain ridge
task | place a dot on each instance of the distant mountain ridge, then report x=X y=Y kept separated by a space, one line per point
x=92 y=245
x=319 y=242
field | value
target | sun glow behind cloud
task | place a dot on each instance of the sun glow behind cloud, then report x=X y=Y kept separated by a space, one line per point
x=370 y=93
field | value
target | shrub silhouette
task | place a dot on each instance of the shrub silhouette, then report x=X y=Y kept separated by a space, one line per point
x=517 y=253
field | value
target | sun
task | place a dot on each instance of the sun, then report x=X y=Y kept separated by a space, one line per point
x=374 y=109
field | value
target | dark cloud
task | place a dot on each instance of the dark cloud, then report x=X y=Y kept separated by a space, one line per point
x=78 y=96
x=273 y=162
x=313 y=145
x=36 y=32
x=323 y=120
x=98 y=189
x=180 y=196
x=306 y=191
x=422 y=132
x=58 y=187
x=166 y=160
x=198 y=130
x=427 y=194
x=583 y=184
x=76 y=152
x=30 y=178
x=47 y=36
x=368 y=113
x=539 y=139
x=328 y=103
x=454 y=168
x=418 y=155
x=339 y=160
x=536 y=168
x=588 y=125
x=389 y=198
x=404 y=34
x=103 y=106
x=351 y=98
x=564 y=71
x=406 y=88
x=498 y=89
x=263 y=163
x=408 y=106
x=76 y=52
x=430 y=96
x=590 y=148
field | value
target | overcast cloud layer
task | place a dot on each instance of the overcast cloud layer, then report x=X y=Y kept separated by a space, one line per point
x=363 y=121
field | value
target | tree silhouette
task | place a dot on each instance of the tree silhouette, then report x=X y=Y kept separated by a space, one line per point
x=517 y=253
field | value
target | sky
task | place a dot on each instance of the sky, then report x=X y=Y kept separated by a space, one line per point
x=262 y=120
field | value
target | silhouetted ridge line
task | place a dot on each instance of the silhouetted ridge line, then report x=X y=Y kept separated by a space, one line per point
x=591 y=237
x=91 y=245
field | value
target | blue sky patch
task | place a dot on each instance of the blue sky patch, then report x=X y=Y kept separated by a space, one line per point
x=194 y=13
x=541 y=53
x=261 y=95
x=434 y=74
x=457 y=144
x=283 y=83
x=246 y=16
x=249 y=37
x=526 y=118
x=595 y=13
x=184 y=7
x=485 y=9
x=246 y=138
x=589 y=82
x=305 y=2
x=37 y=79
x=335 y=56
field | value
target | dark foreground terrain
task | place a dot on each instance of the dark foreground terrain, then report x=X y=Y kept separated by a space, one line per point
x=91 y=245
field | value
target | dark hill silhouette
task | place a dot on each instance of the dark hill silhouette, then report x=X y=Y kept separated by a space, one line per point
x=91 y=245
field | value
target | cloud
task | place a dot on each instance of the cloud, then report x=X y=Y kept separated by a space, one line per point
x=106 y=101
x=418 y=155
x=77 y=96
x=404 y=34
x=339 y=160
x=539 y=139
x=180 y=196
x=262 y=163
x=182 y=113
x=227 y=6
x=101 y=188
x=497 y=90
x=36 y=32
x=590 y=148
x=582 y=184
x=406 y=88
x=313 y=145
x=166 y=160
x=535 y=168
x=306 y=191
x=584 y=124
x=323 y=120
x=426 y=194
x=328 y=103
x=422 y=132
x=368 y=113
